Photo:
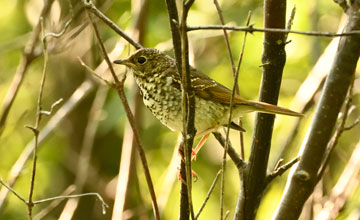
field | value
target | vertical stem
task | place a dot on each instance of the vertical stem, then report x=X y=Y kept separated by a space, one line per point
x=273 y=60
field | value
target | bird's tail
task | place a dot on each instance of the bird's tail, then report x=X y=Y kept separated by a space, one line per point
x=272 y=109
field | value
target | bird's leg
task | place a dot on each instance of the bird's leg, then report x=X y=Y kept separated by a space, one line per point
x=199 y=145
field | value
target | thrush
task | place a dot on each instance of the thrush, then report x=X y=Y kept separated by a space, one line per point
x=159 y=81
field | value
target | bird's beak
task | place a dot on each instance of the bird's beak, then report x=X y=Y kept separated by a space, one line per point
x=121 y=61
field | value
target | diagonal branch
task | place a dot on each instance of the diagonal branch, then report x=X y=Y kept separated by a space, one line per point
x=302 y=181
x=119 y=85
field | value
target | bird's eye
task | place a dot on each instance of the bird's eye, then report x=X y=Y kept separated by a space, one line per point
x=141 y=60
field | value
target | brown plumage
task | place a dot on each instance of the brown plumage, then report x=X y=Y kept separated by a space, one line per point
x=157 y=77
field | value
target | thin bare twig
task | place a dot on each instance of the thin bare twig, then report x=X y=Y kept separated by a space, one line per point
x=239 y=163
x=13 y=191
x=35 y=129
x=188 y=102
x=227 y=213
x=91 y=7
x=94 y=73
x=339 y=130
x=83 y=161
x=208 y=194
x=40 y=215
x=279 y=170
x=104 y=205
x=127 y=163
x=344 y=188
x=251 y=29
x=356 y=122
x=27 y=58
x=119 y=85
x=83 y=90
x=221 y=17
x=235 y=90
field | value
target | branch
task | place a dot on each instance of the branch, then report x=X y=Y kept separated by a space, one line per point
x=180 y=43
x=279 y=170
x=104 y=205
x=273 y=59
x=27 y=58
x=208 y=194
x=339 y=130
x=119 y=85
x=188 y=102
x=82 y=91
x=251 y=29
x=40 y=215
x=239 y=163
x=302 y=182
x=91 y=7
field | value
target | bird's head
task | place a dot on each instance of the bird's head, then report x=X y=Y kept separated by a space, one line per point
x=146 y=62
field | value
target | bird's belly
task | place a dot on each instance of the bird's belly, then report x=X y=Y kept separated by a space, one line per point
x=166 y=106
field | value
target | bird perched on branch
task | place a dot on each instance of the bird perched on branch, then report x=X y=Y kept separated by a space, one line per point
x=160 y=84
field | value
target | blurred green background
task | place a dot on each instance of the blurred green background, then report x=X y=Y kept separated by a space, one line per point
x=60 y=153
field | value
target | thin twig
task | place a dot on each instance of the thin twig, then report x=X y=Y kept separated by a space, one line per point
x=227 y=43
x=127 y=163
x=94 y=72
x=40 y=215
x=88 y=4
x=188 y=102
x=27 y=58
x=13 y=191
x=177 y=45
x=208 y=194
x=104 y=205
x=239 y=163
x=226 y=37
x=227 y=213
x=120 y=90
x=290 y=21
x=82 y=91
x=84 y=157
x=356 y=122
x=235 y=88
x=251 y=29
x=35 y=129
x=339 y=130
x=279 y=170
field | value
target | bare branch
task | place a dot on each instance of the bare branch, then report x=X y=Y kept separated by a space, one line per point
x=279 y=170
x=27 y=58
x=88 y=4
x=274 y=56
x=239 y=163
x=251 y=29
x=352 y=125
x=120 y=89
x=305 y=176
x=40 y=215
x=208 y=194
x=104 y=205
x=339 y=130
x=56 y=103
x=35 y=128
x=13 y=191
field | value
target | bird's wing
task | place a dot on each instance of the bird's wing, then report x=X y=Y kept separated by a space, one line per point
x=208 y=89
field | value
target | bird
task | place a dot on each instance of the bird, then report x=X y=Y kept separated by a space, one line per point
x=159 y=82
